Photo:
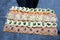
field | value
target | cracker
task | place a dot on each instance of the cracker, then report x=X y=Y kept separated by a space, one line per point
x=30 y=30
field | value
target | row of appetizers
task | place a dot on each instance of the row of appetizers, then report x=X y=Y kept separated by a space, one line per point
x=32 y=9
x=31 y=17
x=32 y=24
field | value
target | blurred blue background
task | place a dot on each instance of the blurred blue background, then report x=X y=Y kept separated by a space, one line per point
x=4 y=8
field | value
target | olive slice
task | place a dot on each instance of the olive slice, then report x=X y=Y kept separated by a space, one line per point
x=31 y=9
x=38 y=23
x=39 y=9
x=22 y=8
x=34 y=24
x=29 y=24
x=52 y=11
x=17 y=8
x=42 y=23
x=35 y=9
x=10 y=22
x=19 y=23
x=27 y=9
x=54 y=24
x=24 y=23
x=48 y=9
x=15 y=22
x=43 y=10
x=48 y=24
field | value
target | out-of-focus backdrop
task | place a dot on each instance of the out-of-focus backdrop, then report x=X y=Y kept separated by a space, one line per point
x=4 y=8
